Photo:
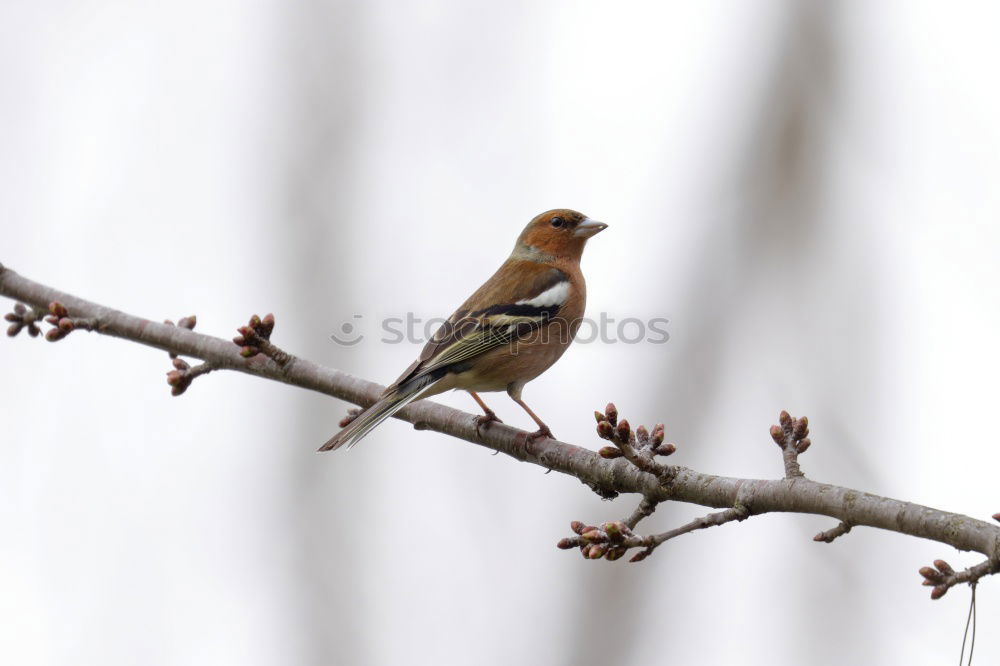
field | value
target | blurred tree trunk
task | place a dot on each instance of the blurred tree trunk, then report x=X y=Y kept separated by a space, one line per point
x=323 y=74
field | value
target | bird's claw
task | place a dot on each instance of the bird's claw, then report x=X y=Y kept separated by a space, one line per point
x=541 y=433
x=484 y=421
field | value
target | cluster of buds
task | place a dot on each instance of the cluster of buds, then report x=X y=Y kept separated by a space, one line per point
x=938 y=578
x=610 y=540
x=180 y=377
x=22 y=317
x=620 y=434
x=185 y=322
x=792 y=432
x=183 y=374
x=252 y=336
x=62 y=323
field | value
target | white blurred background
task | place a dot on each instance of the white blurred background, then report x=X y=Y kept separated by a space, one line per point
x=806 y=190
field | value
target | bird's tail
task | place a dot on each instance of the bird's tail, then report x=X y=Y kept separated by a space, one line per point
x=369 y=419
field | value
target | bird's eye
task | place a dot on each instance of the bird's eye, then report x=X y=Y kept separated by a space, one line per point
x=556 y=222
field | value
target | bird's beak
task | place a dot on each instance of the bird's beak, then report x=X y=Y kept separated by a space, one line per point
x=588 y=228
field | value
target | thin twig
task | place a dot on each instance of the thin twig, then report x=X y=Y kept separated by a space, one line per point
x=792 y=436
x=942 y=577
x=829 y=535
x=644 y=510
x=970 y=619
x=711 y=520
x=612 y=540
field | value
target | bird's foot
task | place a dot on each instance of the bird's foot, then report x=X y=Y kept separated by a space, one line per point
x=541 y=433
x=484 y=421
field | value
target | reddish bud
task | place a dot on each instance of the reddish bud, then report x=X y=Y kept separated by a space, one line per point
x=578 y=527
x=66 y=324
x=803 y=444
x=254 y=321
x=181 y=364
x=657 y=436
x=54 y=334
x=665 y=449
x=14 y=329
x=605 y=430
x=939 y=591
x=249 y=352
x=778 y=435
x=58 y=309
x=640 y=556
x=19 y=309
x=931 y=574
x=239 y=341
x=642 y=434
x=597 y=415
x=616 y=530
x=174 y=377
x=612 y=413
x=33 y=330
x=801 y=428
x=597 y=551
x=178 y=389
x=610 y=452
x=996 y=517
x=10 y=316
x=267 y=325
x=944 y=567
x=593 y=536
x=188 y=322
x=615 y=553
x=623 y=431
x=785 y=419
x=566 y=544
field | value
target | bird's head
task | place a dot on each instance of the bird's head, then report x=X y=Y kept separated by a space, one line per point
x=559 y=233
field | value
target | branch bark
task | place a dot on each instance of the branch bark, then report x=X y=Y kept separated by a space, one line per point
x=608 y=477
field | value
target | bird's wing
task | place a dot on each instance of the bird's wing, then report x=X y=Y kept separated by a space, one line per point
x=500 y=313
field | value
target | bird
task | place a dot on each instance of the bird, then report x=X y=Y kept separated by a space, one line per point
x=511 y=330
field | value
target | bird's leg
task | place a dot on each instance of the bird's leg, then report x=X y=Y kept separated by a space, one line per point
x=543 y=430
x=488 y=417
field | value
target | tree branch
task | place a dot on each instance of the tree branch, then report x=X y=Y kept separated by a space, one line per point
x=633 y=469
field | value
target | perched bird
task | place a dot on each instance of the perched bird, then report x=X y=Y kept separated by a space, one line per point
x=516 y=325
